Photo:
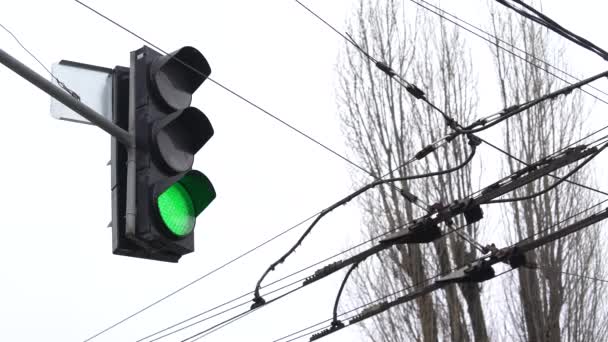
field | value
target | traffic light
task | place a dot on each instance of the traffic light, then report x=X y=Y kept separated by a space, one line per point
x=156 y=202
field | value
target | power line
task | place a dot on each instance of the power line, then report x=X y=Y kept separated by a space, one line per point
x=506 y=50
x=533 y=14
x=497 y=39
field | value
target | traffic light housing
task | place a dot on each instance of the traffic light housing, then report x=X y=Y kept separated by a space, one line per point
x=155 y=205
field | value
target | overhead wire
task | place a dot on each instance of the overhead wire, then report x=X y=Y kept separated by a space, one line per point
x=424 y=281
x=533 y=14
x=497 y=39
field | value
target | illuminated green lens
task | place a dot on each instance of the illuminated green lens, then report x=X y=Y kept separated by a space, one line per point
x=177 y=210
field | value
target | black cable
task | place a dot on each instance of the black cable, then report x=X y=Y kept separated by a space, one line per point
x=335 y=321
x=258 y=300
x=505 y=42
x=552 y=186
x=433 y=287
x=506 y=50
x=549 y=23
x=419 y=94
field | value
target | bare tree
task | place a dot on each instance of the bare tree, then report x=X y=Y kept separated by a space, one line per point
x=551 y=306
x=385 y=128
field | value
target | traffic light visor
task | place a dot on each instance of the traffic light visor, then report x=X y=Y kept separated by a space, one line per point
x=183 y=201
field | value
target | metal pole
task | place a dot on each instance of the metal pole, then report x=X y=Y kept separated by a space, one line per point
x=65 y=98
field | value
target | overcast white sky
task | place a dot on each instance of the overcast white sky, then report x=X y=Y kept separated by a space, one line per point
x=58 y=278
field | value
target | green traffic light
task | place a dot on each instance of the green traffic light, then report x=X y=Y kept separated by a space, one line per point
x=176 y=209
x=182 y=202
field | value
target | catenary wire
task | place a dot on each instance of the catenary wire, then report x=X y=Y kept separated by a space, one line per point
x=507 y=50
x=449 y=231
x=505 y=42
x=556 y=152
x=419 y=94
x=366 y=304
x=549 y=23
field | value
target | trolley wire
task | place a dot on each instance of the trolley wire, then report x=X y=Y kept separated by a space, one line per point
x=507 y=50
x=533 y=14
x=497 y=39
